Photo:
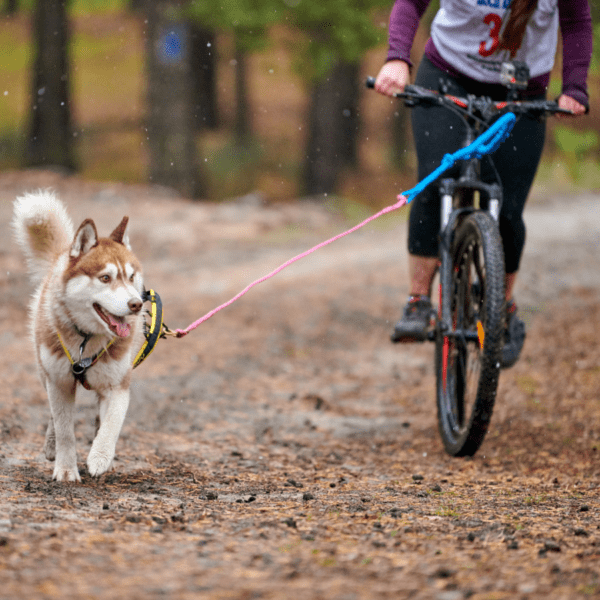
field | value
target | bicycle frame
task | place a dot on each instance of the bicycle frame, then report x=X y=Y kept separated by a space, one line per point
x=470 y=325
x=469 y=184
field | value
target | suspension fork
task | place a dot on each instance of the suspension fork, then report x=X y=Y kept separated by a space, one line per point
x=447 y=187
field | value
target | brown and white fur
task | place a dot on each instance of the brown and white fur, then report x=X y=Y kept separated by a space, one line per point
x=84 y=284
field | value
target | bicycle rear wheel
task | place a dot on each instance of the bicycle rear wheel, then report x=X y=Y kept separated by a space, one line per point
x=468 y=356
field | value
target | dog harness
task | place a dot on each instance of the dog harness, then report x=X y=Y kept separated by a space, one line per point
x=152 y=333
x=80 y=367
x=156 y=330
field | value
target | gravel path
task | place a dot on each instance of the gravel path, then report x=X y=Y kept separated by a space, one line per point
x=285 y=449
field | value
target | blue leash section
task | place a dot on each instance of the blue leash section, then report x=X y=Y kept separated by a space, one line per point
x=488 y=142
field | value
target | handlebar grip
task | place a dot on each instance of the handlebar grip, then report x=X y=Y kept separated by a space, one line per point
x=370 y=82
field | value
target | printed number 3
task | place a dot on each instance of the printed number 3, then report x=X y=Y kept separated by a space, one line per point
x=495 y=23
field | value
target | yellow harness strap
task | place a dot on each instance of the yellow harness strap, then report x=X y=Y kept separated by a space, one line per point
x=155 y=331
x=79 y=368
x=95 y=359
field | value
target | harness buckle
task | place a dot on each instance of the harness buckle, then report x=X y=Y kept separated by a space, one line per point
x=80 y=367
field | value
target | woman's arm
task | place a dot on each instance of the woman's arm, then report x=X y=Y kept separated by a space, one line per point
x=404 y=20
x=576 y=29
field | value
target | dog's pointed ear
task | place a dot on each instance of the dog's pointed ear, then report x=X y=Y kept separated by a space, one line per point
x=85 y=239
x=121 y=233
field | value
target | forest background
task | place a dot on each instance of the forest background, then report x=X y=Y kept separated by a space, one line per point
x=286 y=446
x=224 y=99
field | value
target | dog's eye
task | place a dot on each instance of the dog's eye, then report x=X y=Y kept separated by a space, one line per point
x=104 y=278
x=131 y=278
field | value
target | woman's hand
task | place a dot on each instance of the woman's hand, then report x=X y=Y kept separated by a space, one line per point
x=568 y=103
x=392 y=77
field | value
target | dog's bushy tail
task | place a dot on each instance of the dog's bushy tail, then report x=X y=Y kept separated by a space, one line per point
x=43 y=229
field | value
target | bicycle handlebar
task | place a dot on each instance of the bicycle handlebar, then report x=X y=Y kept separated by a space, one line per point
x=414 y=96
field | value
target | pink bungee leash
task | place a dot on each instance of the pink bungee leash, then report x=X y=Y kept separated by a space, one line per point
x=485 y=143
x=402 y=200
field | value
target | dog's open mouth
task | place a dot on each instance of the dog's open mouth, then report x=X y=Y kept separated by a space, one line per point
x=116 y=324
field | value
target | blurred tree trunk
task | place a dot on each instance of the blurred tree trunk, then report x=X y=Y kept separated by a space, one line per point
x=204 y=72
x=349 y=93
x=402 y=142
x=50 y=137
x=243 y=126
x=171 y=105
x=332 y=129
x=137 y=5
x=11 y=7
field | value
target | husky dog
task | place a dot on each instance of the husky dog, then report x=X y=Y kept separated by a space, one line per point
x=86 y=323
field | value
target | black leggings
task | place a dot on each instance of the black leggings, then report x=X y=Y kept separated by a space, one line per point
x=437 y=132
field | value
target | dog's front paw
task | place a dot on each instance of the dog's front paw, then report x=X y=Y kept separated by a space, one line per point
x=66 y=474
x=98 y=462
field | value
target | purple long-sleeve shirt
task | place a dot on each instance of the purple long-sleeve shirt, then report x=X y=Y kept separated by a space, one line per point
x=575 y=25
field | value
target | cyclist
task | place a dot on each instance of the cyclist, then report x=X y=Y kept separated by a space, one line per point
x=469 y=41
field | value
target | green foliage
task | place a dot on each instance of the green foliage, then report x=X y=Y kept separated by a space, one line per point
x=575 y=142
x=575 y=146
x=84 y=7
x=97 y=6
x=248 y=19
x=334 y=31
x=596 y=48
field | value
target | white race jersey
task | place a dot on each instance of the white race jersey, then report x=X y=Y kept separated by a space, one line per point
x=466 y=33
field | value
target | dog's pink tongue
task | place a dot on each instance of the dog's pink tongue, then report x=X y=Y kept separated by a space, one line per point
x=121 y=329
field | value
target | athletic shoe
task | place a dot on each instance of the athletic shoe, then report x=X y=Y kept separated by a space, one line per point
x=514 y=337
x=415 y=322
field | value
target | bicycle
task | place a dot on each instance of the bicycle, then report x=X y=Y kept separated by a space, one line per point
x=470 y=321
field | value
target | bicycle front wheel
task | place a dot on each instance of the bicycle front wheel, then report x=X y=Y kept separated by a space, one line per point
x=468 y=353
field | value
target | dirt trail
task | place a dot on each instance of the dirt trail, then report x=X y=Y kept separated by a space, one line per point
x=286 y=449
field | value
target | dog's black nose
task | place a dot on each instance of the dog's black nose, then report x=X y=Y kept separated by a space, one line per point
x=135 y=305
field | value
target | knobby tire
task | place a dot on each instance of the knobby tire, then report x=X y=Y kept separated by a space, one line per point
x=468 y=360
